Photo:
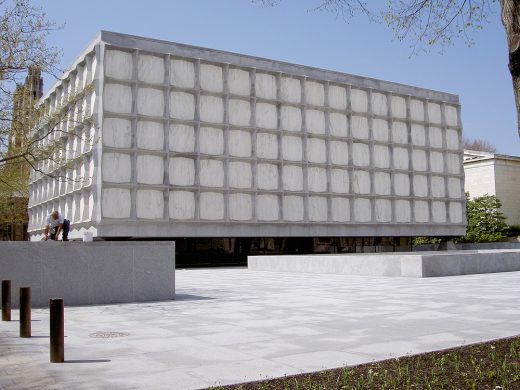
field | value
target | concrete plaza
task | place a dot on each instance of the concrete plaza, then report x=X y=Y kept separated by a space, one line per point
x=234 y=325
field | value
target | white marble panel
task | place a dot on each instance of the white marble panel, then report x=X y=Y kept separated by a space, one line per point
x=381 y=156
x=211 y=173
x=358 y=100
x=292 y=178
x=399 y=132
x=403 y=211
x=362 y=210
x=150 y=204
x=238 y=82
x=211 y=141
x=291 y=118
x=266 y=145
x=118 y=64
x=117 y=133
x=267 y=207
x=436 y=162
x=452 y=139
x=151 y=69
x=382 y=183
x=417 y=110
x=211 y=206
x=267 y=176
x=398 y=107
x=452 y=117
x=290 y=90
x=337 y=97
x=419 y=160
x=380 y=129
x=338 y=124
x=116 y=168
x=265 y=86
x=150 y=135
x=361 y=155
x=118 y=98
x=340 y=208
x=420 y=185
x=211 y=109
x=239 y=112
x=182 y=105
x=338 y=152
x=401 y=184
x=182 y=171
x=181 y=205
x=240 y=207
x=318 y=209
x=434 y=113
x=315 y=121
x=316 y=150
x=292 y=148
x=240 y=175
x=454 y=189
x=182 y=73
x=439 y=212
x=454 y=163
x=150 y=169
x=239 y=143
x=293 y=208
x=182 y=138
x=314 y=93
x=116 y=203
x=317 y=179
x=266 y=116
x=435 y=134
x=383 y=210
x=437 y=190
x=211 y=78
x=361 y=182
x=422 y=211
x=400 y=158
x=418 y=135
x=339 y=181
x=455 y=211
x=379 y=104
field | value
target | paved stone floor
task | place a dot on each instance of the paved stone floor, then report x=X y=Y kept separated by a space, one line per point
x=233 y=325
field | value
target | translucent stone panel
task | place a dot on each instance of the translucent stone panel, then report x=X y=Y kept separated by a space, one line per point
x=150 y=169
x=117 y=133
x=361 y=155
x=455 y=211
x=400 y=158
x=238 y=82
x=434 y=112
x=240 y=207
x=239 y=143
x=379 y=104
x=317 y=208
x=116 y=167
x=151 y=69
x=383 y=210
x=403 y=211
x=182 y=138
x=339 y=181
x=381 y=156
x=267 y=207
x=417 y=110
x=211 y=141
x=419 y=160
x=118 y=64
x=182 y=74
x=181 y=205
x=436 y=162
x=439 y=212
x=150 y=135
x=362 y=210
x=150 y=204
x=265 y=86
x=211 y=206
x=317 y=179
x=398 y=107
x=316 y=150
x=314 y=93
x=435 y=137
x=418 y=135
x=292 y=178
x=182 y=171
x=337 y=97
x=293 y=208
x=267 y=176
x=454 y=163
x=421 y=210
x=338 y=125
x=118 y=98
x=399 y=132
x=420 y=185
x=340 y=209
x=401 y=184
x=239 y=175
x=315 y=121
x=452 y=139
x=266 y=116
x=211 y=173
x=380 y=130
x=292 y=148
x=239 y=112
x=382 y=183
x=290 y=90
x=182 y=105
x=266 y=145
x=116 y=203
x=339 y=152
x=211 y=109
x=291 y=118
x=361 y=182
x=359 y=127
x=452 y=117
x=437 y=189
x=359 y=100
x=211 y=78
x=454 y=189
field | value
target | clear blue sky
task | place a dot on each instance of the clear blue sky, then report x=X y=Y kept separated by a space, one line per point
x=288 y=32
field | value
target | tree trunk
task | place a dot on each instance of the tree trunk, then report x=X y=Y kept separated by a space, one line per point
x=511 y=21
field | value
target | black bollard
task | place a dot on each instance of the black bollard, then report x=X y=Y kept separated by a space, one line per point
x=25 y=312
x=6 y=300
x=57 y=330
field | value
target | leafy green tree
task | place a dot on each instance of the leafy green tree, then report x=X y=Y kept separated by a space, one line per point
x=486 y=223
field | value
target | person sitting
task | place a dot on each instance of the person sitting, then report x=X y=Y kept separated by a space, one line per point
x=55 y=224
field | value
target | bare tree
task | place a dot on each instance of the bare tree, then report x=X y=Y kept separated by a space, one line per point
x=478 y=144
